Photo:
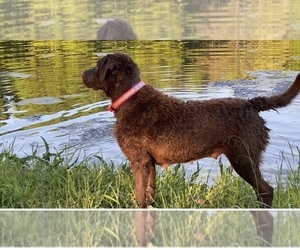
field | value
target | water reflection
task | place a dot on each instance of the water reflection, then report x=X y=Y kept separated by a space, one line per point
x=151 y=20
x=35 y=69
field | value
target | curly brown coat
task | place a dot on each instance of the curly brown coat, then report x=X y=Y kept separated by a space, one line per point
x=152 y=128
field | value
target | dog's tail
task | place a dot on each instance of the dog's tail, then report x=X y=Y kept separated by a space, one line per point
x=277 y=101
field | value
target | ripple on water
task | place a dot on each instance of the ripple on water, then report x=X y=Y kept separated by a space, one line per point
x=41 y=101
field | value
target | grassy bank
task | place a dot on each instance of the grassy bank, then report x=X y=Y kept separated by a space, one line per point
x=50 y=181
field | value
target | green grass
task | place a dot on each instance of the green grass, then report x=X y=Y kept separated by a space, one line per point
x=51 y=181
x=116 y=228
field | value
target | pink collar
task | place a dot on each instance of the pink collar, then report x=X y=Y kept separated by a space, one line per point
x=126 y=96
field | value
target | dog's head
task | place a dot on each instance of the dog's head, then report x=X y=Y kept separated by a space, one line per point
x=117 y=29
x=114 y=74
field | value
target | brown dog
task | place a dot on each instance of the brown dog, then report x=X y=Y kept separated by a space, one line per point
x=152 y=128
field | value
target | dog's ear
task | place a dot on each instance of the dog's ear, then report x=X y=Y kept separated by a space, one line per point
x=105 y=69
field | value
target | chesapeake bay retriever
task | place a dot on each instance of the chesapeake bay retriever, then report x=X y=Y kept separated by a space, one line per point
x=152 y=128
x=117 y=29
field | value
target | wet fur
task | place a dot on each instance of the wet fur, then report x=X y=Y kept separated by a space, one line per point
x=152 y=128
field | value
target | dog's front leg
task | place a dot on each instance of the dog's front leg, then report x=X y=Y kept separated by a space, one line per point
x=151 y=185
x=144 y=177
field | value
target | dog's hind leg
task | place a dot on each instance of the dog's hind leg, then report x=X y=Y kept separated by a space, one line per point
x=144 y=176
x=250 y=172
x=246 y=164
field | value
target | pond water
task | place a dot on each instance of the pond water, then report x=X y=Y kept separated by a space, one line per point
x=42 y=94
x=151 y=19
x=189 y=49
